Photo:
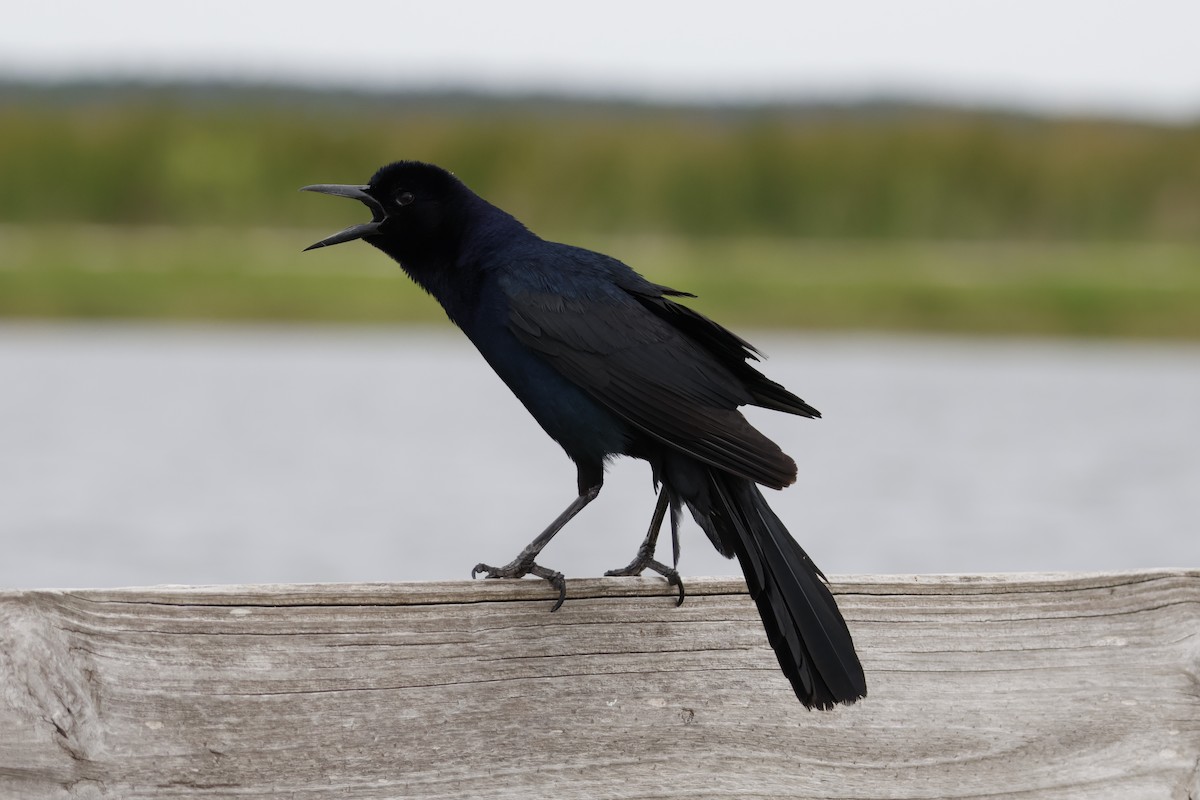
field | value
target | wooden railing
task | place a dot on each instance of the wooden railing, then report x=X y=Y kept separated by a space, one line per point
x=998 y=686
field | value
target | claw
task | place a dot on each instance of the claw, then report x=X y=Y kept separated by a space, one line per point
x=519 y=570
x=556 y=580
x=676 y=581
x=642 y=563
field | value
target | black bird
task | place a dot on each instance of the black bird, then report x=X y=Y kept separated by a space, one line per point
x=609 y=364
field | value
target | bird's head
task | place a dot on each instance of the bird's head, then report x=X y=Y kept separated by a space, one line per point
x=414 y=206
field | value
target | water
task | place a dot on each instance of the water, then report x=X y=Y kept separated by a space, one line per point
x=135 y=455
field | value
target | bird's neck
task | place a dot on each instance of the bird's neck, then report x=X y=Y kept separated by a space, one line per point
x=454 y=268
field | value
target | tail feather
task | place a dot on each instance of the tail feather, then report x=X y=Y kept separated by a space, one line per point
x=801 y=618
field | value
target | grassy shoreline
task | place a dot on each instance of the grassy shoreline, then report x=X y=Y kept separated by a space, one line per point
x=1106 y=289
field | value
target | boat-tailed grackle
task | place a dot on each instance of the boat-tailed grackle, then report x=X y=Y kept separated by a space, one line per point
x=611 y=364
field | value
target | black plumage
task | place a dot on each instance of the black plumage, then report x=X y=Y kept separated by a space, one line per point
x=611 y=364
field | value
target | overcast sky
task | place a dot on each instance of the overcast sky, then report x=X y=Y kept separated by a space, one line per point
x=1136 y=58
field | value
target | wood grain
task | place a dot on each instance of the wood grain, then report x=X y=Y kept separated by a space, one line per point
x=1009 y=686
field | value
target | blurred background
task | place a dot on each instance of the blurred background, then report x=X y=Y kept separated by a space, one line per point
x=968 y=233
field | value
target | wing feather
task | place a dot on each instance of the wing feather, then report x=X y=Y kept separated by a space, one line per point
x=652 y=374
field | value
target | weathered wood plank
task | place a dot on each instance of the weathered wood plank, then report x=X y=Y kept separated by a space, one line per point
x=1029 y=686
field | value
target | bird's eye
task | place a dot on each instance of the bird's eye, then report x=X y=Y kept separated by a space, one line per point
x=404 y=198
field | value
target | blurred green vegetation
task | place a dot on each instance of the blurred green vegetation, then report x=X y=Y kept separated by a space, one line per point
x=569 y=168
x=1077 y=289
x=183 y=204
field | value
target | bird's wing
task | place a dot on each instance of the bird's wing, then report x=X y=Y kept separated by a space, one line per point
x=649 y=372
x=731 y=350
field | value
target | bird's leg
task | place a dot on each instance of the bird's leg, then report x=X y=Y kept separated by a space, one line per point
x=524 y=564
x=645 y=554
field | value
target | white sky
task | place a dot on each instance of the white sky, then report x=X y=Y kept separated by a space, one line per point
x=1121 y=56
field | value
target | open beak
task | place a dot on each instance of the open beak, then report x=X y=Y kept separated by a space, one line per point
x=354 y=231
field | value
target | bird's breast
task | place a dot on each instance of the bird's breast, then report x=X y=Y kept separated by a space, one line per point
x=583 y=427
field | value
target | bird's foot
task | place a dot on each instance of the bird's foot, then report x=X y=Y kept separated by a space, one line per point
x=644 y=561
x=519 y=569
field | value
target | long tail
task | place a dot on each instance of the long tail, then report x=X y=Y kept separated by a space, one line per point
x=801 y=618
